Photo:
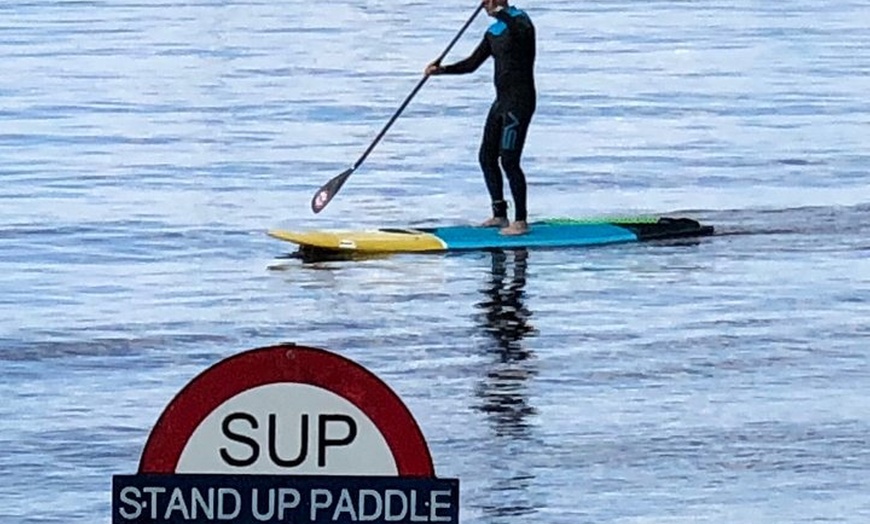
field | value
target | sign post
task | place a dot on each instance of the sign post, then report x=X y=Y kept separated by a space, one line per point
x=285 y=434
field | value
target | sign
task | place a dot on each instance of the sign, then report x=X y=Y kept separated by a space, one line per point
x=285 y=434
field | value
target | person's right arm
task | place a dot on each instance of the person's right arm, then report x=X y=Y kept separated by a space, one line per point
x=467 y=65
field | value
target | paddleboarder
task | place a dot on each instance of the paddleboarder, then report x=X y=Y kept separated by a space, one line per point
x=510 y=40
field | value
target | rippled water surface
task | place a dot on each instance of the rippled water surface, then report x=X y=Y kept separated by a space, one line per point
x=146 y=147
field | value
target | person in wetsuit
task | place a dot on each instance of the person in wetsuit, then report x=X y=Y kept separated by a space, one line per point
x=510 y=40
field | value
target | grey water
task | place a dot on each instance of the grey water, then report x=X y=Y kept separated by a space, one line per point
x=146 y=148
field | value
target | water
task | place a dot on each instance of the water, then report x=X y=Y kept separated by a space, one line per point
x=146 y=147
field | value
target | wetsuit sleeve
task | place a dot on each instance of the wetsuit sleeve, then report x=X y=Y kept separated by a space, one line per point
x=470 y=64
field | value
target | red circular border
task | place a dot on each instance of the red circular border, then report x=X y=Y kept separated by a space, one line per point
x=287 y=363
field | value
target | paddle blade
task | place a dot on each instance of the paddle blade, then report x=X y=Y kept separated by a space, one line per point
x=325 y=194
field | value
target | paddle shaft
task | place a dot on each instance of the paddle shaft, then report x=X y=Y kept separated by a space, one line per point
x=416 y=89
x=327 y=191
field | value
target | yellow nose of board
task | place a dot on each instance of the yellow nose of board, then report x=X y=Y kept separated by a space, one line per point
x=378 y=241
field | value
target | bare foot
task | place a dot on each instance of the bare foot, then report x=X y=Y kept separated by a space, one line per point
x=520 y=227
x=495 y=222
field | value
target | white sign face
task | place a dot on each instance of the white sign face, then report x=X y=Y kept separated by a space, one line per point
x=291 y=429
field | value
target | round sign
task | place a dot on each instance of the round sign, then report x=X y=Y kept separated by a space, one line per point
x=287 y=409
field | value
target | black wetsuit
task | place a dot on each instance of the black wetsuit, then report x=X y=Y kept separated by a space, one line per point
x=510 y=40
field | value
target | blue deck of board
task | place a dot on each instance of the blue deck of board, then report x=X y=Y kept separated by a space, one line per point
x=539 y=235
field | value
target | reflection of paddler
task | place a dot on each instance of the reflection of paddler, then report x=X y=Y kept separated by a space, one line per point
x=505 y=319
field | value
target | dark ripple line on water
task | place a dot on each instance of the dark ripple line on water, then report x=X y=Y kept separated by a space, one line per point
x=760 y=446
x=14 y=350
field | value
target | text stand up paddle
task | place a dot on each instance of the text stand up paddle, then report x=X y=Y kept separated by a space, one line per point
x=325 y=194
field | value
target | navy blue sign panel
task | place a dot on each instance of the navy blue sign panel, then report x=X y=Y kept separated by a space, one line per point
x=310 y=499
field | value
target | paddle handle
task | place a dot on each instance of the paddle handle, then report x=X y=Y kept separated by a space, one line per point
x=416 y=89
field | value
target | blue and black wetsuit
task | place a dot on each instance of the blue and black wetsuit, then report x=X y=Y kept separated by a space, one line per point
x=510 y=40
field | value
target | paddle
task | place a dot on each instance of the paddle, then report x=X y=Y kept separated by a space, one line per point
x=325 y=194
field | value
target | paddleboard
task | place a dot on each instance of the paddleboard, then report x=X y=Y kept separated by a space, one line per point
x=549 y=233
